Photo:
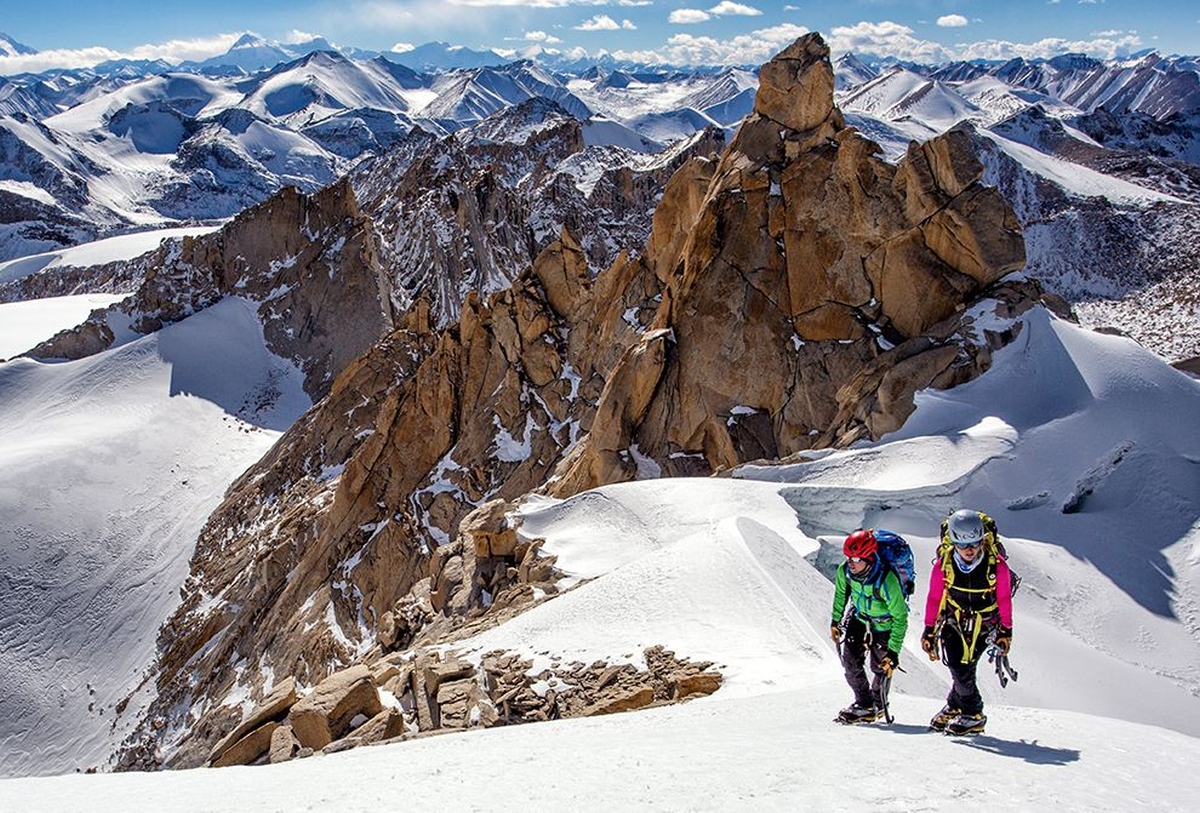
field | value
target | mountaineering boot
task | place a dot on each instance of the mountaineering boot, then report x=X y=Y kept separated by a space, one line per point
x=858 y=714
x=966 y=724
x=943 y=718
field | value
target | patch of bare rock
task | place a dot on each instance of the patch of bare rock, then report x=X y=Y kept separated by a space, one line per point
x=413 y=694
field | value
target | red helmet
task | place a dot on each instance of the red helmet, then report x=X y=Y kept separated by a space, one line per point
x=860 y=544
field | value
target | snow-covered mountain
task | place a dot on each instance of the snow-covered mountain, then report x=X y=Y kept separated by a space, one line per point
x=10 y=47
x=1070 y=437
x=206 y=140
x=850 y=71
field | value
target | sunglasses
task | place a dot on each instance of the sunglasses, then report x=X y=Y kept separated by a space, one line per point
x=857 y=559
x=968 y=544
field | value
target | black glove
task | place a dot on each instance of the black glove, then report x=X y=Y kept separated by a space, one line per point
x=929 y=643
x=835 y=632
x=1003 y=639
x=890 y=662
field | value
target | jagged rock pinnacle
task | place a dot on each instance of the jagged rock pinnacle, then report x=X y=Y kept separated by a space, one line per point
x=796 y=86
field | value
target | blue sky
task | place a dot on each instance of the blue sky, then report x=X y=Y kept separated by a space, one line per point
x=681 y=31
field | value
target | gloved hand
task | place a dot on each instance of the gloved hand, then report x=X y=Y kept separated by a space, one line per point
x=1003 y=639
x=890 y=662
x=835 y=632
x=929 y=643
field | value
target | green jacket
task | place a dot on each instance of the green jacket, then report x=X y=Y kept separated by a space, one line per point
x=882 y=604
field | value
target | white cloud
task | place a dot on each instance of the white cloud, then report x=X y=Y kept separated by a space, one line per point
x=688 y=16
x=402 y=47
x=635 y=3
x=541 y=36
x=528 y=3
x=747 y=49
x=953 y=21
x=173 y=51
x=1100 y=48
x=296 y=37
x=382 y=14
x=888 y=38
x=602 y=22
x=725 y=7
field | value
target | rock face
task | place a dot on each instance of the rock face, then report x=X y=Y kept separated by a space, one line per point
x=1120 y=263
x=793 y=294
x=309 y=263
x=806 y=257
x=471 y=211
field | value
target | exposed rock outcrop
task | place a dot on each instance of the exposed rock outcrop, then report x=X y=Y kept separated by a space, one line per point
x=431 y=693
x=808 y=259
x=793 y=294
x=309 y=263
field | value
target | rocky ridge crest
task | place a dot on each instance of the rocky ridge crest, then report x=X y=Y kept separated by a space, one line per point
x=309 y=263
x=471 y=211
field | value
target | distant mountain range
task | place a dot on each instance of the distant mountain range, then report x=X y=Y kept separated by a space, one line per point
x=129 y=146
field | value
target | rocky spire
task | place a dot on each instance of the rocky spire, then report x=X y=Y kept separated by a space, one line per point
x=808 y=257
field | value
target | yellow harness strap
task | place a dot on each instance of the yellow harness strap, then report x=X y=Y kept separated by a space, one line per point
x=946 y=549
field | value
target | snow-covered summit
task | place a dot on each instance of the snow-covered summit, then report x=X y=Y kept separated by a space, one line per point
x=10 y=47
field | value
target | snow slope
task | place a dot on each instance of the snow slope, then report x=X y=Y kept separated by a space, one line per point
x=1077 y=179
x=776 y=752
x=98 y=252
x=109 y=467
x=24 y=324
x=1086 y=449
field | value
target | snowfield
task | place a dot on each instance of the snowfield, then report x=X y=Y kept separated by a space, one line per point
x=23 y=325
x=109 y=467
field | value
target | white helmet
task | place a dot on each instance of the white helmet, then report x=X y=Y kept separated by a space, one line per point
x=966 y=527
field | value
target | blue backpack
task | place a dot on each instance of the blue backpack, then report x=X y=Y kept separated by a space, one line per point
x=896 y=553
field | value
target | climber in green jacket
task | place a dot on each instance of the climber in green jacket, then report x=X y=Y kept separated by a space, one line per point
x=876 y=622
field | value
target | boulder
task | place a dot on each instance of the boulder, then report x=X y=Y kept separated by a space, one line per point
x=284 y=745
x=273 y=707
x=490 y=529
x=248 y=749
x=623 y=701
x=704 y=683
x=386 y=725
x=326 y=713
